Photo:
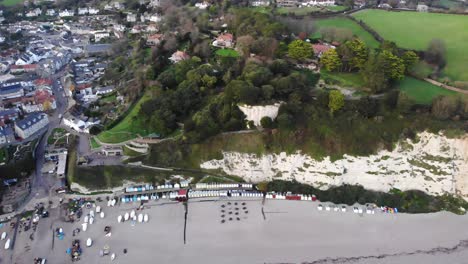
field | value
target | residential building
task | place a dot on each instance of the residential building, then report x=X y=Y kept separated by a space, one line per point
x=422 y=8
x=105 y=90
x=179 y=56
x=131 y=17
x=34 y=13
x=225 y=40
x=23 y=68
x=319 y=3
x=287 y=3
x=112 y=151
x=6 y=135
x=203 y=5
x=66 y=13
x=11 y=91
x=31 y=124
x=320 y=48
x=83 y=11
x=51 y=12
x=153 y=40
x=93 y=11
x=257 y=3
x=100 y=35
x=9 y=115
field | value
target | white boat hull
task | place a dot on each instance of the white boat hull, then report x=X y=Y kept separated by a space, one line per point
x=7 y=244
x=140 y=218
x=126 y=216
x=119 y=218
x=102 y=214
x=89 y=242
x=4 y=234
x=146 y=218
x=84 y=226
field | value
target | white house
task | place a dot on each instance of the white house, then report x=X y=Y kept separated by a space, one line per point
x=260 y=3
x=77 y=124
x=203 y=5
x=51 y=12
x=131 y=17
x=34 y=13
x=319 y=3
x=155 y=18
x=99 y=35
x=31 y=124
x=105 y=90
x=83 y=11
x=93 y=11
x=66 y=13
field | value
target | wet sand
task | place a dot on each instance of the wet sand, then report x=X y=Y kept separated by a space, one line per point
x=286 y=231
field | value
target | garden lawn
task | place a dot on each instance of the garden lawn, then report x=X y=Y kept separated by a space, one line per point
x=415 y=30
x=343 y=79
x=57 y=136
x=10 y=2
x=94 y=144
x=129 y=128
x=346 y=23
x=422 y=92
x=227 y=53
x=300 y=11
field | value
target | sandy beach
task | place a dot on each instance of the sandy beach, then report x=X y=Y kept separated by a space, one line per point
x=277 y=231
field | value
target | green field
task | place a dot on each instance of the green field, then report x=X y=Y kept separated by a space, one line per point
x=300 y=11
x=414 y=30
x=341 y=22
x=422 y=92
x=129 y=128
x=344 y=79
x=10 y=2
x=227 y=53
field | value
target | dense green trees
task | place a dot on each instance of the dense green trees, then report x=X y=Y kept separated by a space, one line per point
x=336 y=101
x=300 y=50
x=330 y=60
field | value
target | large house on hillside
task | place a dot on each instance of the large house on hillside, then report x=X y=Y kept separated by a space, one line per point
x=179 y=56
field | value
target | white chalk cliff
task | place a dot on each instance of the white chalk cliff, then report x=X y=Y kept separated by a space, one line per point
x=255 y=113
x=434 y=164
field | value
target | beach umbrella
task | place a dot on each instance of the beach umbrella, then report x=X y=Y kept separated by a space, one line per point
x=102 y=214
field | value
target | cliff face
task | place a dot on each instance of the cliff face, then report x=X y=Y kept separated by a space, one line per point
x=256 y=112
x=434 y=164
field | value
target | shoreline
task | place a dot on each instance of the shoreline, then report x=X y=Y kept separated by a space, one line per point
x=275 y=231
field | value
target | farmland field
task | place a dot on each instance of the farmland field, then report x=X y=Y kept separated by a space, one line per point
x=415 y=30
x=10 y=2
x=422 y=92
x=341 y=22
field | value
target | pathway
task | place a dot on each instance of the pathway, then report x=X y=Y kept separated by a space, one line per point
x=448 y=87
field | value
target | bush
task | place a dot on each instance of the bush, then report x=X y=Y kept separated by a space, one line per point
x=266 y=122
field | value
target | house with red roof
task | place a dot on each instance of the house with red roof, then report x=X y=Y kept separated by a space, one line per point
x=225 y=40
x=321 y=48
